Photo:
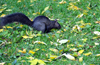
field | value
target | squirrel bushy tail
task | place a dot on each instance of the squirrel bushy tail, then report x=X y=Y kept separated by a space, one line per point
x=16 y=17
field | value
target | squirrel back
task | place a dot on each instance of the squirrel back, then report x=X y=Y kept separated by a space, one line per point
x=40 y=23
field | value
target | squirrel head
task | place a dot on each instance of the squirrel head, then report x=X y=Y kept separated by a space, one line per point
x=56 y=24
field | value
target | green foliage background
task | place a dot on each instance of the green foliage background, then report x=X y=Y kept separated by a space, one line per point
x=11 y=39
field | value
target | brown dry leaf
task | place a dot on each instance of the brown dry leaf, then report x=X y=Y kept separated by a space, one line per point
x=97 y=22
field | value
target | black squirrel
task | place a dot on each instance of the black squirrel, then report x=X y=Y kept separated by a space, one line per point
x=40 y=23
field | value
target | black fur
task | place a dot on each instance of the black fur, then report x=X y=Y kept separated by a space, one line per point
x=40 y=23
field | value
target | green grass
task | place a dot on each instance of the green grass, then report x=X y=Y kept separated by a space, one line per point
x=11 y=39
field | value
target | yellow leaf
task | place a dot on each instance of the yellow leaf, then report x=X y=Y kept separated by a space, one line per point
x=73 y=49
x=18 y=1
x=64 y=29
x=30 y=51
x=36 y=49
x=22 y=51
x=1 y=10
x=41 y=62
x=27 y=37
x=31 y=1
x=89 y=8
x=62 y=2
x=35 y=61
x=94 y=37
x=9 y=27
x=46 y=8
x=81 y=26
x=39 y=42
x=80 y=59
x=98 y=55
x=80 y=51
x=21 y=26
x=2 y=63
x=54 y=50
x=85 y=12
x=60 y=50
x=91 y=64
x=72 y=7
x=2 y=15
x=1 y=30
x=53 y=56
x=80 y=46
x=34 y=14
x=43 y=50
x=38 y=34
x=87 y=54
x=69 y=56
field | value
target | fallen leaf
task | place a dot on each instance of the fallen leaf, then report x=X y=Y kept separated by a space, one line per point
x=34 y=62
x=97 y=32
x=73 y=49
x=69 y=56
x=45 y=9
x=84 y=40
x=30 y=51
x=72 y=7
x=8 y=10
x=80 y=59
x=98 y=55
x=96 y=43
x=22 y=51
x=27 y=37
x=36 y=49
x=41 y=62
x=80 y=51
x=1 y=10
x=97 y=22
x=39 y=42
x=18 y=1
x=2 y=15
x=62 y=2
x=63 y=41
x=54 y=50
x=1 y=30
x=79 y=16
x=2 y=63
x=87 y=54
x=53 y=56
x=9 y=27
